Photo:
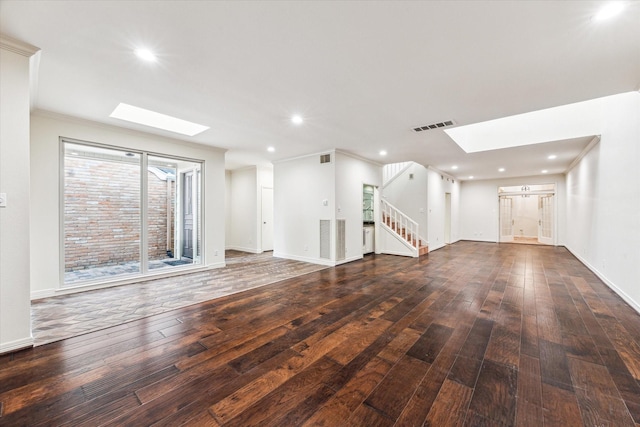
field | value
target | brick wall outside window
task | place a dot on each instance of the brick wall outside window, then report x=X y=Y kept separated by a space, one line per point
x=102 y=213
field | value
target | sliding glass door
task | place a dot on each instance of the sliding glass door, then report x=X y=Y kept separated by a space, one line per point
x=119 y=221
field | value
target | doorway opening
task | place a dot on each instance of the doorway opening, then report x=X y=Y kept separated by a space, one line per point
x=369 y=196
x=527 y=214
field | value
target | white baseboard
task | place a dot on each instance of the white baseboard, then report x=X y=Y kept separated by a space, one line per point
x=609 y=283
x=305 y=259
x=16 y=345
x=351 y=259
x=405 y=254
x=216 y=265
x=243 y=249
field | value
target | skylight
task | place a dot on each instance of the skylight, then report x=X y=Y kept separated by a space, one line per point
x=552 y=124
x=156 y=120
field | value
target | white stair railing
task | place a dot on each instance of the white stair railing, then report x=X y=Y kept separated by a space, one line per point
x=392 y=170
x=401 y=224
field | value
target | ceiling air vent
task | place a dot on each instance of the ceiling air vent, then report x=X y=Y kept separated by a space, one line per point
x=325 y=158
x=435 y=126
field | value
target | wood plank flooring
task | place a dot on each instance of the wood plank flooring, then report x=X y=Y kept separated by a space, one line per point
x=66 y=316
x=475 y=334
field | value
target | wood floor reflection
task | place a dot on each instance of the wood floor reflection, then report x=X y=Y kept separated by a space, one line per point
x=474 y=334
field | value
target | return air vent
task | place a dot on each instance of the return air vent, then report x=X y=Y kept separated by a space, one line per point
x=435 y=126
x=325 y=158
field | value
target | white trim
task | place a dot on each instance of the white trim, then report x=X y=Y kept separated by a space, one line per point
x=304 y=259
x=16 y=345
x=594 y=141
x=355 y=156
x=351 y=259
x=634 y=304
x=394 y=253
x=243 y=249
x=435 y=248
x=320 y=153
x=17 y=46
x=46 y=293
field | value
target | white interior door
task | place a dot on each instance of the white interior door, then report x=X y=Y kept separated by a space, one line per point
x=267 y=219
x=506 y=219
x=545 y=220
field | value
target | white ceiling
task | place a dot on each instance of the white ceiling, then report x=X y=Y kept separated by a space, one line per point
x=362 y=74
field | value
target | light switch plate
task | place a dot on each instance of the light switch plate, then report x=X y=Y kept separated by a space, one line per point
x=3 y=200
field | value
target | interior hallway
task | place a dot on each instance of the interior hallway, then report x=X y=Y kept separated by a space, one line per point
x=474 y=334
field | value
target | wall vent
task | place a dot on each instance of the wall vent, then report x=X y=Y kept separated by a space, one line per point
x=435 y=126
x=341 y=244
x=325 y=158
x=325 y=238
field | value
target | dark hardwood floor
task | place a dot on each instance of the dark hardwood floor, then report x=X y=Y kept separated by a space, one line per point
x=475 y=334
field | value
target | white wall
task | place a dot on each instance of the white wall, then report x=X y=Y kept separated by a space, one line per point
x=15 y=307
x=603 y=201
x=479 y=213
x=300 y=187
x=351 y=175
x=46 y=128
x=440 y=183
x=410 y=195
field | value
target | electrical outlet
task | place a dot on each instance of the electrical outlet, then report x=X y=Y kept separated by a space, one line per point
x=3 y=200
x=215 y=253
x=306 y=248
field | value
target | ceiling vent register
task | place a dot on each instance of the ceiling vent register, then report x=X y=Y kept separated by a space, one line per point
x=435 y=126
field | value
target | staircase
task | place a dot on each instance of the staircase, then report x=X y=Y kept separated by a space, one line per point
x=405 y=228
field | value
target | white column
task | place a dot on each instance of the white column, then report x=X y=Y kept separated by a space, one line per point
x=15 y=304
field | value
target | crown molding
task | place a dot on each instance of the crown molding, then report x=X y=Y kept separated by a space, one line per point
x=17 y=46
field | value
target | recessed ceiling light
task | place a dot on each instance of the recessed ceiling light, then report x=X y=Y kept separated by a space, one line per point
x=156 y=120
x=271 y=149
x=609 y=10
x=501 y=170
x=544 y=171
x=552 y=156
x=470 y=176
x=383 y=153
x=146 y=55
x=454 y=167
x=296 y=119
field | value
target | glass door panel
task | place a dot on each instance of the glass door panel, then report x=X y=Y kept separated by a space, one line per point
x=101 y=213
x=173 y=212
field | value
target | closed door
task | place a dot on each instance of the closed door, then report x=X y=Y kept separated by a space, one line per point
x=267 y=219
x=545 y=219
x=506 y=219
